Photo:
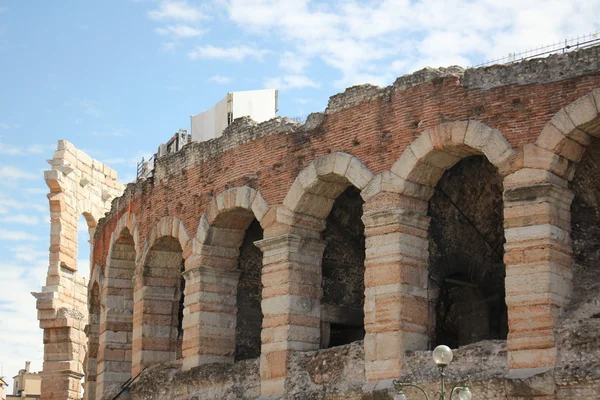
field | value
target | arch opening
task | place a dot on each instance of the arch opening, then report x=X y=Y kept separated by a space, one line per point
x=249 y=296
x=163 y=301
x=585 y=234
x=466 y=271
x=343 y=271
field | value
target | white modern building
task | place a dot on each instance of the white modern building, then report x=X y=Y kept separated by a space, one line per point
x=260 y=105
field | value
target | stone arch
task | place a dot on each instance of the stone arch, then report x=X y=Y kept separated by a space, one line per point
x=568 y=134
x=158 y=295
x=539 y=249
x=213 y=275
x=116 y=319
x=317 y=186
x=78 y=185
x=397 y=230
x=293 y=262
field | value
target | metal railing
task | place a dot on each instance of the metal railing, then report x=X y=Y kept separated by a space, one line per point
x=579 y=42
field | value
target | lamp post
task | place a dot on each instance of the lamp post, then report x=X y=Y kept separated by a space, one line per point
x=442 y=356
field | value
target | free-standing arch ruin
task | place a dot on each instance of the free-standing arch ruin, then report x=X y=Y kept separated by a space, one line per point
x=78 y=185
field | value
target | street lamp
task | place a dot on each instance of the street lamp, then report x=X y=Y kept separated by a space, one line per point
x=442 y=356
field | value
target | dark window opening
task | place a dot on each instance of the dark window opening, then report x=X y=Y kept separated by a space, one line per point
x=342 y=313
x=249 y=296
x=467 y=296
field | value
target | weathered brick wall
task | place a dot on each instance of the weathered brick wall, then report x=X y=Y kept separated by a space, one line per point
x=374 y=125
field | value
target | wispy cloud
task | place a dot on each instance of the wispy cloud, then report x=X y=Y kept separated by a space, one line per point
x=4 y=126
x=6 y=234
x=12 y=150
x=233 y=53
x=176 y=10
x=360 y=40
x=290 y=82
x=180 y=31
x=21 y=219
x=14 y=173
x=221 y=80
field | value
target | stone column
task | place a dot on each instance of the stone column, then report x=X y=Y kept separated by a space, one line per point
x=209 y=316
x=116 y=319
x=291 y=302
x=396 y=265
x=538 y=258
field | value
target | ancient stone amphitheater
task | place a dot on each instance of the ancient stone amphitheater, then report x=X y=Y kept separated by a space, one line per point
x=320 y=261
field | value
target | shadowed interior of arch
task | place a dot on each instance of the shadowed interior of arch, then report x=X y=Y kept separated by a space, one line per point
x=342 y=314
x=249 y=295
x=163 y=300
x=466 y=295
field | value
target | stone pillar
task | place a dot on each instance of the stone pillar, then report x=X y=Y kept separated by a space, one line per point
x=62 y=304
x=116 y=319
x=538 y=258
x=396 y=265
x=291 y=303
x=209 y=316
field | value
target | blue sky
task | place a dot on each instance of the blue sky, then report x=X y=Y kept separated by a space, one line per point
x=119 y=77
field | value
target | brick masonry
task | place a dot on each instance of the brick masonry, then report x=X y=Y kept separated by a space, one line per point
x=532 y=121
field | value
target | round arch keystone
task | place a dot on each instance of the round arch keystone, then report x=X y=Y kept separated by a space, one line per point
x=318 y=185
x=239 y=199
x=572 y=129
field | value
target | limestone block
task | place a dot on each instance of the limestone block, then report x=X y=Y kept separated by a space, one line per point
x=555 y=141
x=584 y=114
x=358 y=174
x=341 y=163
x=478 y=134
x=409 y=167
x=325 y=165
x=532 y=358
x=423 y=149
x=244 y=196
x=530 y=177
x=539 y=158
x=259 y=207
x=534 y=232
x=326 y=188
x=563 y=122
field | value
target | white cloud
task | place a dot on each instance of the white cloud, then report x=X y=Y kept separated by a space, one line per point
x=290 y=82
x=19 y=330
x=180 y=31
x=221 y=80
x=292 y=63
x=176 y=10
x=377 y=41
x=21 y=219
x=6 y=234
x=14 y=173
x=233 y=53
